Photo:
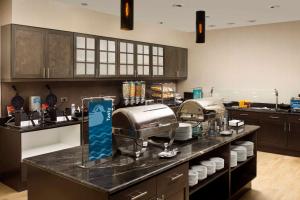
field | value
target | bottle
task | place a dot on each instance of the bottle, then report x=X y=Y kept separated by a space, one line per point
x=73 y=109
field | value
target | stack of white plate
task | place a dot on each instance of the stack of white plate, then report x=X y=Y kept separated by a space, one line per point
x=201 y=170
x=241 y=153
x=233 y=158
x=210 y=165
x=249 y=146
x=184 y=132
x=219 y=162
x=193 y=178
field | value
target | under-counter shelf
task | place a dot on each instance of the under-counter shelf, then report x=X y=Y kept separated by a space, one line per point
x=208 y=180
x=240 y=164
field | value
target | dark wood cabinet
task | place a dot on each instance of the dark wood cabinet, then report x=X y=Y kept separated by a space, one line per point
x=176 y=62
x=28 y=52
x=36 y=53
x=279 y=132
x=170 y=185
x=273 y=131
x=293 y=127
x=59 y=54
x=31 y=53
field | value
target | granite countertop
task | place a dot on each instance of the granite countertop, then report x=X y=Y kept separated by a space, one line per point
x=111 y=177
x=272 y=111
x=47 y=125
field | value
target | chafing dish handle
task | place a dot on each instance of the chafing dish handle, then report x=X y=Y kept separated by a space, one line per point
x=164 y=125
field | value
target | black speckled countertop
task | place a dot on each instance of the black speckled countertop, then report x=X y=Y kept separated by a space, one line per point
x=111 y=177
x=38 y=127
x=272 y=111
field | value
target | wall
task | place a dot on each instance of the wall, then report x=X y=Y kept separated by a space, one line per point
x=5 y=18
x=57 y=15
x=248 y=63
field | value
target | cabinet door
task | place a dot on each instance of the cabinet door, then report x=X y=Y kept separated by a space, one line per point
x=273 y=132
x=143 y=59
x=171 y=62
x=182 y=55
x=28 y=53
x=127 y=63
x=107 y=57
x=59 y=54
x=142 y=191
x=158 y=61
x=85 y=56
x=294 y=133
x=173 y=184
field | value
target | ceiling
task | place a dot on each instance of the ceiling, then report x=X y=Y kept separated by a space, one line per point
x=220 y=13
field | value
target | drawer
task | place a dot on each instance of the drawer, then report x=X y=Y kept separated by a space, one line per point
x=142 y=191
x=173 y=180
x=273 y=117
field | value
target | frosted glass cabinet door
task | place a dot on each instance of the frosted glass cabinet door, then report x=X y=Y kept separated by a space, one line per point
x=90 y=43
x=80 y=42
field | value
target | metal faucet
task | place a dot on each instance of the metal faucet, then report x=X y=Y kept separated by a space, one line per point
x=276 y=94
x=211 y=91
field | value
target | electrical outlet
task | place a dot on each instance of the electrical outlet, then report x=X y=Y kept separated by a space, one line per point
x=64 y=99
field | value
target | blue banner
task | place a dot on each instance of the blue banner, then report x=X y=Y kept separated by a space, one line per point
x=100 y=129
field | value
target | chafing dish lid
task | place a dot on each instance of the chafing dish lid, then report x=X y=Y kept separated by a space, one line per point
x=143 y=117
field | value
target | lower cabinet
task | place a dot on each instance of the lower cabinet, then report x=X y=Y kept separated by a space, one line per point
x=293 y=128
x=279 y=132
x=171 y=185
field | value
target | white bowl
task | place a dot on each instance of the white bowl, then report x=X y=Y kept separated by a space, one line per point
x=201 y=170
x=211 y=166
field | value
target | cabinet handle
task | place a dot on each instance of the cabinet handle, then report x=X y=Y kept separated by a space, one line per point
x=289 y=127
x=178 y=176
x=140 y=195
x=274 y=117
x=244 y=114
x=48 y=72
x=44 y=72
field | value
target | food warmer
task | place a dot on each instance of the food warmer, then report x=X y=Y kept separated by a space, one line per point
x=210 y=110
x=133 y=126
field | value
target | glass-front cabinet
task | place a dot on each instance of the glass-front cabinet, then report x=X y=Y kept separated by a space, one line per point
x=85 y=56
x=107 y=57
x=157 y=60
x=143 y=60
x=127 y=61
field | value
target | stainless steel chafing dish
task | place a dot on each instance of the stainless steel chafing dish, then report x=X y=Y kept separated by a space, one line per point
x=200 y=110
x=133 y=126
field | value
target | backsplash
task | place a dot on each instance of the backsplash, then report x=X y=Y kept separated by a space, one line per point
x=72 y=90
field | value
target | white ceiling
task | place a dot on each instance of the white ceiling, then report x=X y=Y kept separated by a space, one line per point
x=221 y=12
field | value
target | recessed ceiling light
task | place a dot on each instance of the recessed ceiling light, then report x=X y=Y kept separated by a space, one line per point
x=212 y=26
x=161 y=22
x=84 y=4
x=252 y=21
x=177 y=5
x=231 y=23
x=207 y=16
x=274 y=6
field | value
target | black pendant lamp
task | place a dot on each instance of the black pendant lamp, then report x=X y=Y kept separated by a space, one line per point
x=127 y=8
x=200 y=26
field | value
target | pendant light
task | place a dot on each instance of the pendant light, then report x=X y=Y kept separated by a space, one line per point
x=200 y=26
x=127 y=17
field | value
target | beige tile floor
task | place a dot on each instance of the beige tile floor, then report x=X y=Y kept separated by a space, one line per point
x=278 y=179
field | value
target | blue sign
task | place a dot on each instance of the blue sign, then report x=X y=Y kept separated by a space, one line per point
x=100 y=129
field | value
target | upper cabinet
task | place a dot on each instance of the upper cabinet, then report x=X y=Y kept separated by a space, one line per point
x=176 y=62
x=28 y=52
x=60 y=54
x=85 y=56
x=36 y=53
x=158 y=60
x=127 y=62
x=143 y=59
x=107 y=57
